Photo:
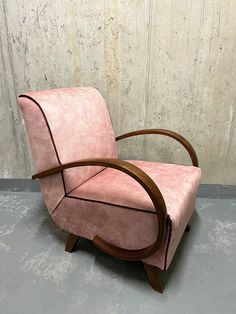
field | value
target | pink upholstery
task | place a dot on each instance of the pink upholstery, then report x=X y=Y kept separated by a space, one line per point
x=43 y=152
x=69 y=124
x=115 y=207
x=80 y=127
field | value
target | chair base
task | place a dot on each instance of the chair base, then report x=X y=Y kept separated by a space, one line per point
x=71 y=242
x=153 y=272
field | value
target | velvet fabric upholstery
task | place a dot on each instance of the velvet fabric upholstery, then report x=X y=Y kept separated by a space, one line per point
x=80 y=125
x=43 y=152
x=69 y=124
x=115 y=207
x=66 y=125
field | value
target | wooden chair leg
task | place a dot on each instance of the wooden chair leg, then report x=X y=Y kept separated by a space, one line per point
x=187 y=229
x=71 y=242
x=154 y=278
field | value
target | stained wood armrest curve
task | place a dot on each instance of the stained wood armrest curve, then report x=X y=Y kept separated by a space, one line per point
x=168 y=133
x=149 y=186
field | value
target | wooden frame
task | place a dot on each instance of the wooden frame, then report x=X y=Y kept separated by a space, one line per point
x=154 y=277
x=146 y=182
x=168 y=133
x=71 y=242
x=150 y=187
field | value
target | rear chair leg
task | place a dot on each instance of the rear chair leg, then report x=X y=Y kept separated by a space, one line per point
x=187 y=229
x=71 y=242
x=154 y=278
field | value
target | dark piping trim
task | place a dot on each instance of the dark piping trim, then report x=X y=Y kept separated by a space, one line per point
x=50 y=133
x=169 y=222
x=116 y=205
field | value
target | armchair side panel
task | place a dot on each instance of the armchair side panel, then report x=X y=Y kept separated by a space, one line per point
x=43 y=152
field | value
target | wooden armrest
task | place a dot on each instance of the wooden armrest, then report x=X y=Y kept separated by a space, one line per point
x=169 y=133
x=149 y=186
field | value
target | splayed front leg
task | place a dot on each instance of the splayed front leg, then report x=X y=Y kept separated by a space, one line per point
x=71 y=242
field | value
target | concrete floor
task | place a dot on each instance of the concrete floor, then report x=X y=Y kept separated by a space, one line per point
x=38 y=276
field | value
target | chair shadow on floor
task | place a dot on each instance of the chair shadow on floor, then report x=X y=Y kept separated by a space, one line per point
x=132 y=271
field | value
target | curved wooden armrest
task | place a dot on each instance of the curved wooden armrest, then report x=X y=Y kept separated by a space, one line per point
x=169 y=133
x=146 y=182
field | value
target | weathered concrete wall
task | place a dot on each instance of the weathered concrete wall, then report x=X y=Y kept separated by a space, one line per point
x=164 y=64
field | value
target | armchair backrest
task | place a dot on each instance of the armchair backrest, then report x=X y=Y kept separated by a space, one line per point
x=66 y=125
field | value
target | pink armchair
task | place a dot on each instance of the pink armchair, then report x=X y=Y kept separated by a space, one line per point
x=133 y=210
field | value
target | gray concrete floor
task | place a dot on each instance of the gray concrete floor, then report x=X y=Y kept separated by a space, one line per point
x=38 y=276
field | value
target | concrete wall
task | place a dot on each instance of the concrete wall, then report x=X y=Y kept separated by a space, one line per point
x=160 y=64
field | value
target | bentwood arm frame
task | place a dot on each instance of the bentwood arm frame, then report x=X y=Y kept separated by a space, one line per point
x=146 y=182
x=168 y=133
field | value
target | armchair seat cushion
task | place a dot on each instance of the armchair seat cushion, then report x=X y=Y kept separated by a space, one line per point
x=114 y=206
x=177 y=184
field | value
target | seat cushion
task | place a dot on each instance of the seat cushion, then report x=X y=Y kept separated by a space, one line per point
x=177 y=184
x=115 y=206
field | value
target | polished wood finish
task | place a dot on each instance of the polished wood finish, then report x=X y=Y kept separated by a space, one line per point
x=150 y=187
x=153 y=274
x=71 y=242
x=168 y=133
